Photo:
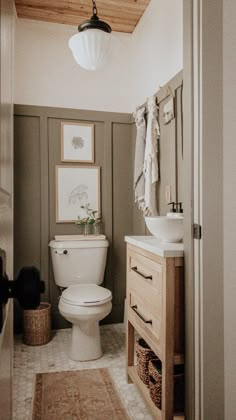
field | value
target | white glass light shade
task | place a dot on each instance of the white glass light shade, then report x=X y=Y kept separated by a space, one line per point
x=90 y=48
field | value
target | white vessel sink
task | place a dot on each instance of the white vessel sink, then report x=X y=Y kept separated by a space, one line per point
x=166 y=228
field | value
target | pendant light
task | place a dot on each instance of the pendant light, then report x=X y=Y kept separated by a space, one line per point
x=91 y=46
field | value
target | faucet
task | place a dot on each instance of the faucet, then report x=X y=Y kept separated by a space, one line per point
x=176 y=208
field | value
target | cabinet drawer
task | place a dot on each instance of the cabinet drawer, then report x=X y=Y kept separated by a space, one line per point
x=150 y=295
x=144 y=269
x=143 y=316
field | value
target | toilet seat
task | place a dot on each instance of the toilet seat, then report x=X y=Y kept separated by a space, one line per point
x=86 y=295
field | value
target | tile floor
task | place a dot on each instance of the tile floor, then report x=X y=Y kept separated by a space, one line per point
x=52 y=357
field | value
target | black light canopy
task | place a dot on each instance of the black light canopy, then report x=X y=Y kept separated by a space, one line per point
x=94 y=22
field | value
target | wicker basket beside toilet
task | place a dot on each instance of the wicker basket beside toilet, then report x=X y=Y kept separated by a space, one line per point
x=155 y=385
x=144 y=354
x=37 y=325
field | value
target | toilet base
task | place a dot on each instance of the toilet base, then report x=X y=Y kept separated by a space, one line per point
x=85 y=342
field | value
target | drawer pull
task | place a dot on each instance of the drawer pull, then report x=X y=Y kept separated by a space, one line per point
x=135 y=269
x=135 y=309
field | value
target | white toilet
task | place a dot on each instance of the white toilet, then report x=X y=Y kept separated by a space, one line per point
x=78 y=268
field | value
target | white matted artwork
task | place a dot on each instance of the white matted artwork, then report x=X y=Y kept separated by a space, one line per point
x=77 y=142
x=75 y=187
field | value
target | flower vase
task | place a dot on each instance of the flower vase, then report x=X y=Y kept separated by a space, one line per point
x=97 y=228
x=87 y=230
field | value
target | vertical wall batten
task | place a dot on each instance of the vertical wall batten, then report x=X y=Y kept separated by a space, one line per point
x=44 y=200
x=108 y=214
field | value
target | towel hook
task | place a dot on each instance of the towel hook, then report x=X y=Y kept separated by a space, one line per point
x=169 y=92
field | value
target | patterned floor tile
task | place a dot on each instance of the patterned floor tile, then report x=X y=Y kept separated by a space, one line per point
x=52 y=357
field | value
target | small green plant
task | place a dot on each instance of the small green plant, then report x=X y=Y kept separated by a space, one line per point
x=91 y=218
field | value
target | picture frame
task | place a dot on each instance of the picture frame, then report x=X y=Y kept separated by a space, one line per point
x=76 y=186
x=77 y=142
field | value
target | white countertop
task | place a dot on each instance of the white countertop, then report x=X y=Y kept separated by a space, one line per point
x=154 y=245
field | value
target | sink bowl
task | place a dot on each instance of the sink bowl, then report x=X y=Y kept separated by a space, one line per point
x=166 y=228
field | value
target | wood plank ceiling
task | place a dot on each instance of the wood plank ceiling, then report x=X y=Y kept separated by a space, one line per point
x=122 y=15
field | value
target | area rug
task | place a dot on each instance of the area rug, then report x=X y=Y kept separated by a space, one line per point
x=85 y=394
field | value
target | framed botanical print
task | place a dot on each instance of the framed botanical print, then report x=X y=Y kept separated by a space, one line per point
x=77 y=142
x=76 y=186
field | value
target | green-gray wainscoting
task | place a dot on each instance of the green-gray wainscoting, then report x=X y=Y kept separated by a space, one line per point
x=37 y=152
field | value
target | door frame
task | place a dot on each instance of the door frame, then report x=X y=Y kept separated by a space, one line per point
x=203 y=151
x=188 y=117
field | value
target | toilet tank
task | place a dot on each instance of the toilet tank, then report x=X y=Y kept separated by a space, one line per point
x=78 y=262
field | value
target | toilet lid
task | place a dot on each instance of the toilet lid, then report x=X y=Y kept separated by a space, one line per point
x=86 y=294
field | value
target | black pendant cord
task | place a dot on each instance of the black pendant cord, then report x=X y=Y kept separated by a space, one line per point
x=95 y=10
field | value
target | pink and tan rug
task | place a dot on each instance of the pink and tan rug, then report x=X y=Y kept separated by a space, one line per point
x=85 y=395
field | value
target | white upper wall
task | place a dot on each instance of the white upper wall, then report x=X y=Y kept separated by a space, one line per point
x=47 y=75
x=157 y=46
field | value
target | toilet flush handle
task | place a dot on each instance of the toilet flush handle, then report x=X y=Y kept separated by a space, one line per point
x=60 y=252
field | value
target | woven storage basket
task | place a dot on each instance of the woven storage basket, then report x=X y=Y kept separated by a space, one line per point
x=155 y=384
x=144 y=354
x=37 y=325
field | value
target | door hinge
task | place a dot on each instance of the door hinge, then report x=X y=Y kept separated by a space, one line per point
x=197 y=231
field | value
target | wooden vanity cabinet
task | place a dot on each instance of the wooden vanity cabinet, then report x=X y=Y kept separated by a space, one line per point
x=155 y=310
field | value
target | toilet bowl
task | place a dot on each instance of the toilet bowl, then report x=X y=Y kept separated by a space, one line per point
x=78 y=268
x=84 y=306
